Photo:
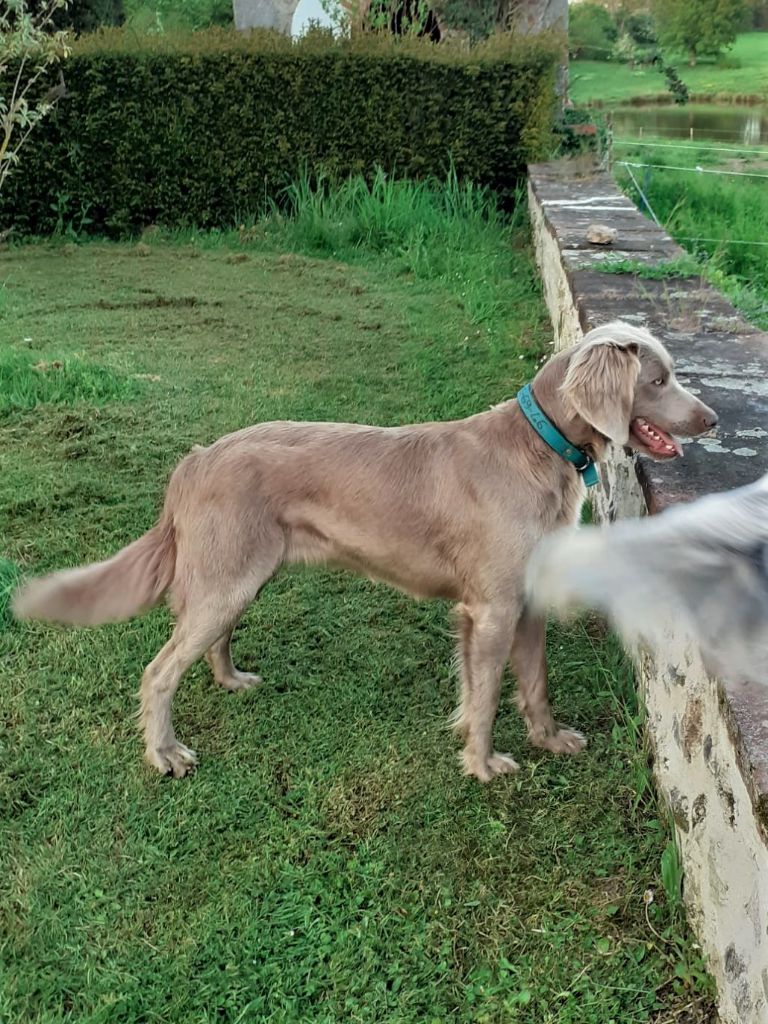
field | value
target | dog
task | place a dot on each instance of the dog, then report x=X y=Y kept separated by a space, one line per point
x=701 y=568
x=439 y=510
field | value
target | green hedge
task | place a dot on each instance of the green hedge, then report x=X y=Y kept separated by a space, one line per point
x=204 y=129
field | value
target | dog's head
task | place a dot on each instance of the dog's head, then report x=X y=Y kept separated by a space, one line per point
x=619 y=382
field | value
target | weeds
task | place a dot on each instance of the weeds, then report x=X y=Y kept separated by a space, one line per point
x=685 y=266
x=390 y=213
x=438 y=230
x=70 y=225
x=27 y=381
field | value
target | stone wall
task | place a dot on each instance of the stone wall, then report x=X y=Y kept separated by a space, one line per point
x=709 y=737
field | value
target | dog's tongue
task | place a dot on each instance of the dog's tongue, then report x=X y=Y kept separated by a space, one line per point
x=655 y=439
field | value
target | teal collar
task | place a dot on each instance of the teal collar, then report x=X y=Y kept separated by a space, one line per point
x=549 y=433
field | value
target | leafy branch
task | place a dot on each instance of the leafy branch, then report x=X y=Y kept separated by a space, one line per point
x=30 y=46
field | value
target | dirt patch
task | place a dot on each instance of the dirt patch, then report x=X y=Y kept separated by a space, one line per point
x=745 y=164
x=155 y=302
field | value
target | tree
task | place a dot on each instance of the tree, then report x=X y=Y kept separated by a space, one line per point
x=85 y=15
x=81 y=15
x=698 y=27
x=404 y=17
x=172 y=14
x=88 y=15
x=591 y=32
x=30 y=47
x=531 y=17
x=477 y=18
x=756 y=16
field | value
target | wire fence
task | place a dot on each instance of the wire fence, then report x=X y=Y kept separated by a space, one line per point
x=697 y=147
x=700 y=132
x=629 y=165
x=695 y=170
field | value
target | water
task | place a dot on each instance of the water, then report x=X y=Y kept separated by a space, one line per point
x=734 y=124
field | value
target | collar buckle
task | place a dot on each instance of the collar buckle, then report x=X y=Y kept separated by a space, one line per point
x=589 y=473
x=548 y=432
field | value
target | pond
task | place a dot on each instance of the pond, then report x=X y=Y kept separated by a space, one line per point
x=735 y=124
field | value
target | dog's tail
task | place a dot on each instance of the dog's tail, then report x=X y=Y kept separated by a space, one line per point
x=129 y=583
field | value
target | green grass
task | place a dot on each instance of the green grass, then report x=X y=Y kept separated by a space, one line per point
x=715 y=217
x=686 y=266
x=327 y=862
x=69 y=381
x=9 y=580
x=742 y=71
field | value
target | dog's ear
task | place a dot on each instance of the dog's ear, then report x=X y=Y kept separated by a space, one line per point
x=599 y=386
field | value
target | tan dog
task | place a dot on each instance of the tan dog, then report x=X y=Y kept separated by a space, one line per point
x=448 y=510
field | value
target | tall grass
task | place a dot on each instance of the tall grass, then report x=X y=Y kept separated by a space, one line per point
x=436 y=229
x=390 y=212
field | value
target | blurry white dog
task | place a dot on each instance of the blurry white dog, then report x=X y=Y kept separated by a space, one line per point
x=701 y=568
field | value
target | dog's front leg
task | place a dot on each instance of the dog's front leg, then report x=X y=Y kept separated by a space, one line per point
x=529 y=662
x=485 y=637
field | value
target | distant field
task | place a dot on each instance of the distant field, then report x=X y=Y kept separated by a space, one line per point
x=609 y=83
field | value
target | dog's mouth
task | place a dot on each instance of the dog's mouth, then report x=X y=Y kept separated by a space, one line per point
x=653 y=440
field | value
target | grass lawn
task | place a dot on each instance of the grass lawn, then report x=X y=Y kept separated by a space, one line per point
x=327 y=862
x=609 y=84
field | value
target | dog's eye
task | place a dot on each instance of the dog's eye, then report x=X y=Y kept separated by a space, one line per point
x=659 y=382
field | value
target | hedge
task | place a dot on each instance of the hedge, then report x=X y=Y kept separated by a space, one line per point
x=204 y=129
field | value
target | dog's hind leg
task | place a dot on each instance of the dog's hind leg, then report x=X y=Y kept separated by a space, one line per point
x=209 y=595
x=158 y=685
x=219 y=657
x=529 y=662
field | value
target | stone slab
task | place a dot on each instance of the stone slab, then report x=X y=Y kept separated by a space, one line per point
x=710 y=736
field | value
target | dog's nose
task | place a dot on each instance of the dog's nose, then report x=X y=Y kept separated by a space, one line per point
x=709 y=418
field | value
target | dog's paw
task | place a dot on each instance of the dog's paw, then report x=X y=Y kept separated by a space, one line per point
x=485 y=769
x=564 y=741
x=240 y=681
x=175 y=759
